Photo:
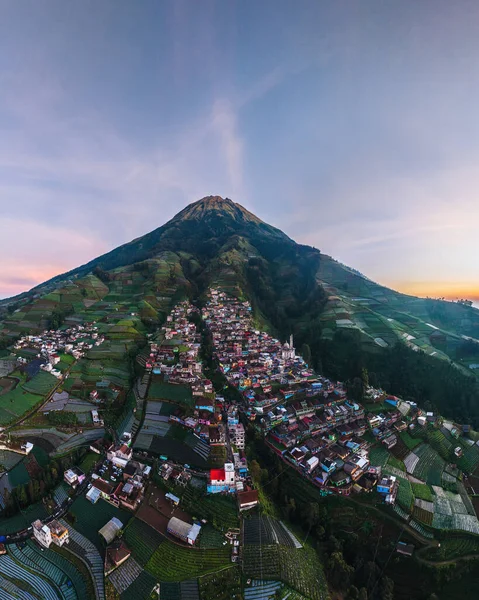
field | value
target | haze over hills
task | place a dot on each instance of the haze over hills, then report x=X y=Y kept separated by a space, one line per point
x=347 y=320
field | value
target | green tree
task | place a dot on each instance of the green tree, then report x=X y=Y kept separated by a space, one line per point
x=340 y=573
x=306 y=353
x=363 y=594
x=386 y=589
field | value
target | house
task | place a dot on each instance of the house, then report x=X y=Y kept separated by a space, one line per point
x=216 y=434
x=222 y=480
x=390 y=441
x=312 y=463
x=183 y=531
x=74 y=476
x=404 y=549
x=42 y=533
x=93 y=495
x=111 y=530
x=52 y=532
x=247 y=500
x=172 y=498
x=129 y=495
x=116 y=554
x=58 y=532
x=388 y=487
x=97 y=421
x=105 y=488
x=237 y=435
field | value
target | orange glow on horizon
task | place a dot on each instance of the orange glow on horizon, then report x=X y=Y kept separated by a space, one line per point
x=440 y=289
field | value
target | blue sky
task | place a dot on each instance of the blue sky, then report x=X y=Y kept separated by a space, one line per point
x=352 y=126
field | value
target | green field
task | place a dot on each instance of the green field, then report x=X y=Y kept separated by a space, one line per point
x=179 y=394
x=219 y=511
x=142 y=539
x=87 y=463
x=90 y=518
x=422 y=491
x=19 y=400
x=452 y=548
x=378 y=455
x=300 y=569
x=42 y=384
x=410 y=441
x=171 y=562
x=18 y=475
x=224 y=585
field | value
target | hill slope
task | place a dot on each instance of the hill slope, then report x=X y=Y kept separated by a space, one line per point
x=347 y=320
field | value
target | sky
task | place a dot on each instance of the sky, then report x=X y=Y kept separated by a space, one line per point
x=351 y=125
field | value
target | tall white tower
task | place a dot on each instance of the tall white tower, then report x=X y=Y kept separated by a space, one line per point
x=229 y=474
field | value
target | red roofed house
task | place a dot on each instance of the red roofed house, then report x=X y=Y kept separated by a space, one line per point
x=222 y=480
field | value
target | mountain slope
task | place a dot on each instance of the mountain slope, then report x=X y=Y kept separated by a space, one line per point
x=293 y=288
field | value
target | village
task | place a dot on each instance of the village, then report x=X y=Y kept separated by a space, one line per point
x=43 y=351
x=179 y=469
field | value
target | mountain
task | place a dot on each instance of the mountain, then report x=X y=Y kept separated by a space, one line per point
x=348 y=321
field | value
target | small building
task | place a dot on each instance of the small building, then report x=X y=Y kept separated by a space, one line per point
x=312 y=463
x=404 y=549
x=74 y=476
x=183 y=531
x=116 y=554
x=247 y=500
x=458 y=451
x=110 y=530
x=93 y=495
x=42 y=533
x=172 y=498
x=59 y=533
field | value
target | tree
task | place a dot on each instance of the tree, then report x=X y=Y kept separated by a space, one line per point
x=363 y=594
x=340 y=573
x=311 y=514
x=21 y=495
x=255 y=470
x=353 y=593
x=306 y=353
x=386 y=589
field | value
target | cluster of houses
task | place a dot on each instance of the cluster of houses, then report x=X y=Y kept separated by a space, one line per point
x=176 y=357
x=306 y=419
x=118 y=479
x=46 y=347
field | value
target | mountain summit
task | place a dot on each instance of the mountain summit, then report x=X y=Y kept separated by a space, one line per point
x=216 y=206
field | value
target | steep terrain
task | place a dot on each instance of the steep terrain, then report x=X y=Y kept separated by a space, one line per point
x=347 y=320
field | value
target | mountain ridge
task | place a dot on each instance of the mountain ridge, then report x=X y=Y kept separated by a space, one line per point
x=293 y=288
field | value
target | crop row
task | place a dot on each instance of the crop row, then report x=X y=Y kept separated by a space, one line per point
x=172 y=562
x=142 y=539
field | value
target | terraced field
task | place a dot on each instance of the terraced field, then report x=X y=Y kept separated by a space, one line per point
x=224 y=585
x=171 y=562
x=298 y=568
x=220 y=511
x=178 y=394
x=430 y=465
x=378 y=456
x=142 y=539
x=451 y=548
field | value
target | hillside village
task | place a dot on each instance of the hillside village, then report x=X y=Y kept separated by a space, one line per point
x=175 y=474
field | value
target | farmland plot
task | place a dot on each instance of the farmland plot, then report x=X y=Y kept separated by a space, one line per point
x=142 y=539
x=451 y=513
x=430 y=466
